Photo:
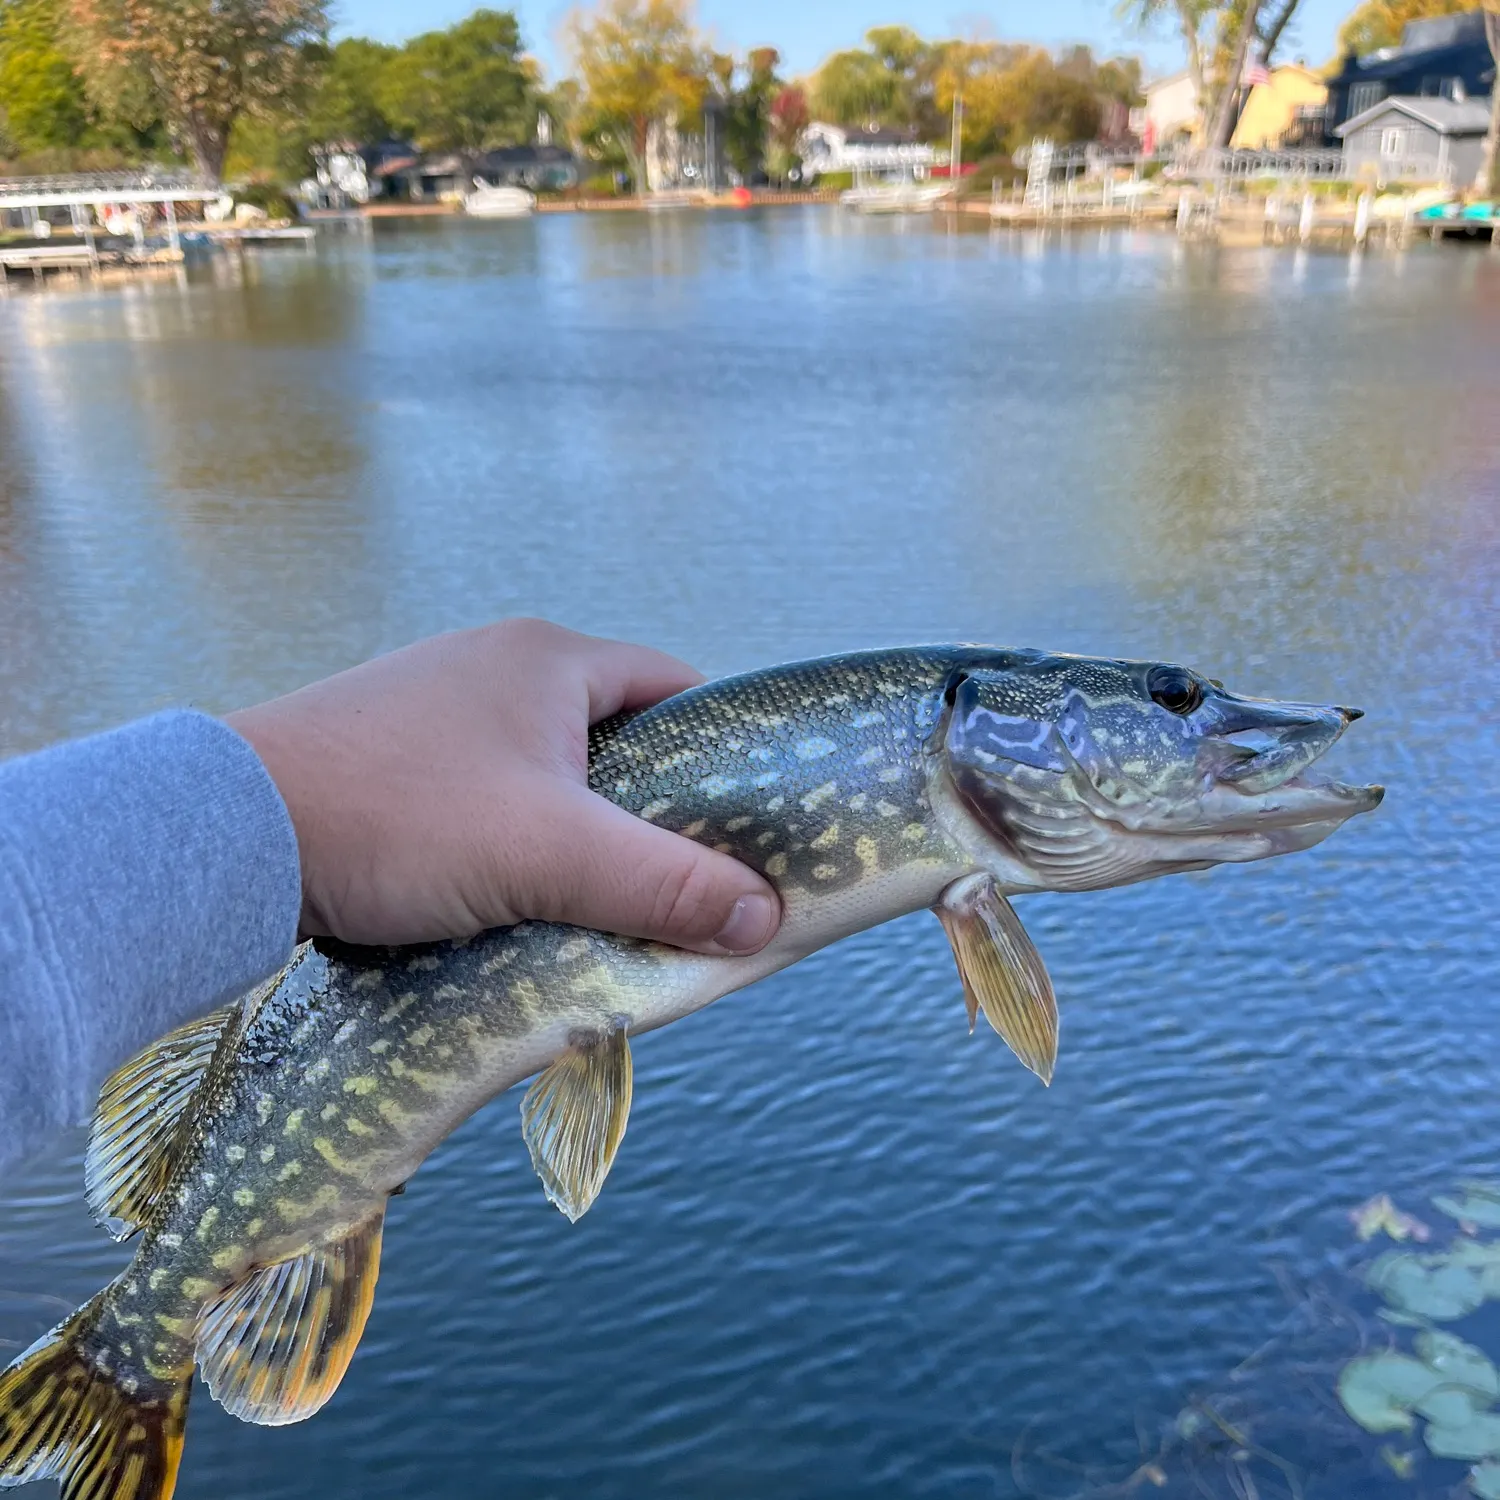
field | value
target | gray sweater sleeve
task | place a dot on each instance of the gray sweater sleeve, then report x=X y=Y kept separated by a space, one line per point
x=146 y=875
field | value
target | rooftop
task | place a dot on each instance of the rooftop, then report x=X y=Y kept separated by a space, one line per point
x=1446 y=116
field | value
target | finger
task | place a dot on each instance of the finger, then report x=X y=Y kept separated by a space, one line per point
x=623 y=676
x=610 y=870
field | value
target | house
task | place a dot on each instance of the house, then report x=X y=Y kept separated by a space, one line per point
x=835 y=148
x=1277 y=112
x=1171 y=112
x=1416 y=139
x=544 y=166
x=1443 y=57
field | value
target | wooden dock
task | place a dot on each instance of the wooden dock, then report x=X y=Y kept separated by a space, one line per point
x=39 y=259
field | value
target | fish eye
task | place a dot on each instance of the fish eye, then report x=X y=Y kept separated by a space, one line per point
x=1175 y=688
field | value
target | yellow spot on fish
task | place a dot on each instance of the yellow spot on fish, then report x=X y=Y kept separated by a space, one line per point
x=868 y=719
x=234 y=1153
x=914 y=833
x=574 y=948
x=766 y=778
x=182 y=1327
x=383 y=1045
x=356 y=1126
x=368 y=979
x=776 y=804
x=768 y=837
x=268 y=1153
x=207 y=1222
x=158 y=1276
x=398 y=1068
x=887 y=809
x=776 y=866
x=870 y=756
x=293 y=1212
x=402 y=1002
x=361 y=1084
x=694 y=828
x=824 y=872
x=229 y=1256
x=653 y=810
x=495 y=964
x=317 y=1072
x=838 y=700
x=329 y=1152
x=294 y=1122
x=735 y=824
x=717 y=786
x=290 y=1170
x=328 y=1112
x=815 y=748
x=868 y=852
x=244 y=1197
x=172 y=1241
x=828 y=839
x=255 y=1226
x=196 y=1287
x=392 y=1113
x=423 y=962
x=858 y=800
x=891 y=773
x=424 y=1034
x=265 y=1107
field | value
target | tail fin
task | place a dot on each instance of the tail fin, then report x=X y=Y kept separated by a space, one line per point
x=68 y=1413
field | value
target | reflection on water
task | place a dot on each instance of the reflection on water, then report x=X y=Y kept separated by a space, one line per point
x=845 y=1250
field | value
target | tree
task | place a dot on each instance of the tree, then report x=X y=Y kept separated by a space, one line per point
x=747 y=113
x=201 y=64
x=1379 y=23
x=888 y=82
x=638 y=61
x=346 y=101
x=1489 y=169
x=1219 y=37
x=42 y=101
x=467 y=88
x=787 y=119
x=1008 y=107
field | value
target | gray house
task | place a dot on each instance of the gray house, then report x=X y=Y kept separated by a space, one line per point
x=1410 y=138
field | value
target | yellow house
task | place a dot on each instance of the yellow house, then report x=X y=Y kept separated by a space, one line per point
x=1272 y=107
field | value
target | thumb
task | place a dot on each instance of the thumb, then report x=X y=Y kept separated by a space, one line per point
x=610 y=870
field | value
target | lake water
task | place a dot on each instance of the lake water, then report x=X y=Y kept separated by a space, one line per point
x=846 y=1250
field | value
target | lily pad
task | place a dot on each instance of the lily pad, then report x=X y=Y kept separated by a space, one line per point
x=1436 y=1286
x=1479 y=1437
x=1380 y=1214
x=1380 y=1390
x=1450 y=1406
x=1460 y=1364
x=1472 y=1208
x=1485 y=1479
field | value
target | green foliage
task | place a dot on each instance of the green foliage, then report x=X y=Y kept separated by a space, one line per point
x=466 y=88
x=855 y=88
x=1006 y=110
x=747 y=115
x=346 y=101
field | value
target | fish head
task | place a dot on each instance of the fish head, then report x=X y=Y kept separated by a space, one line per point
x=1080 y=773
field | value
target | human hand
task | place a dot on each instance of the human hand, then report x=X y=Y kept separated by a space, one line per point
x=441 y=790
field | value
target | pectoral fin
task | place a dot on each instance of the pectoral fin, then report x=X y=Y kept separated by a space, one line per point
x=1003 y=974
x=574 y=1117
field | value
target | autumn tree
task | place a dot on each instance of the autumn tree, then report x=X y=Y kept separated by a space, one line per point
x=787 y=118
x=466 y=88
x=202 y=64
x=638 y=61
x=1379 y=23
x=1006 y=108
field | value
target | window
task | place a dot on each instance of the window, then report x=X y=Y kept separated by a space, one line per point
x=1392 y=142
x=1363 y=96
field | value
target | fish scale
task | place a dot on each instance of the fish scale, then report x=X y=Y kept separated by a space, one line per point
x=254 y=1151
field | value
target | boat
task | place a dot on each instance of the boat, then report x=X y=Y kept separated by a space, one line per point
x=490 y=202
x=898 y=195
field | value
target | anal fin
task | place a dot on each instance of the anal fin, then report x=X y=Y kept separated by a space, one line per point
x=274 y=1347
x=574 y=1116
x=1003 y=974
x=131 y=1146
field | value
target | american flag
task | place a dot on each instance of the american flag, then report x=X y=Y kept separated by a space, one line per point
x=1255 y=71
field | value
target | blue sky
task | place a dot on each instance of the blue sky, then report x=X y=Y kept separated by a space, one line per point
x=807 y=30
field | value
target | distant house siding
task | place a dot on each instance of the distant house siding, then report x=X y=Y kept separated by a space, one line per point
x=1394 y=147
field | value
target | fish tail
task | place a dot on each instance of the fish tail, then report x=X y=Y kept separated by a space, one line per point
x=78 y=1407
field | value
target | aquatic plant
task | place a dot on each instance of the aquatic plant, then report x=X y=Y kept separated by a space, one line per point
x=1446 y=1383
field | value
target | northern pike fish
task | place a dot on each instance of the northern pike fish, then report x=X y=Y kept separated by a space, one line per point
x=254 y=1150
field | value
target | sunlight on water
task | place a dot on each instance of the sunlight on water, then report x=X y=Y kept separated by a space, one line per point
x=846 y=1250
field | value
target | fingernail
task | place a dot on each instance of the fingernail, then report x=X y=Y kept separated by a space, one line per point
x=750 y=925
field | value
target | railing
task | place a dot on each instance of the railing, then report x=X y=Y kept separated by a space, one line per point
x=160 y=180
x=1221 y=164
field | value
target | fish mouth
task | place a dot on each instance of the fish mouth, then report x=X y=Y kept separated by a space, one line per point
x=1270 y=773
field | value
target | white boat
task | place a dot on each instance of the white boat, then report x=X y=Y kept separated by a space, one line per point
x=487 y=202
x=900 y=195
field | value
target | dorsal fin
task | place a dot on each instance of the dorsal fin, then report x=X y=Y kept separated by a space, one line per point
x=274 y=1346
x=131 y=1147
